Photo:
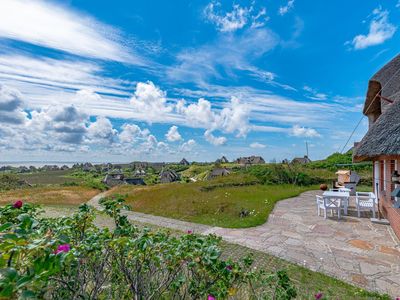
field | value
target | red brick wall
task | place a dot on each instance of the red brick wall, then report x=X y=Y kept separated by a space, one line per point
x=386 y=202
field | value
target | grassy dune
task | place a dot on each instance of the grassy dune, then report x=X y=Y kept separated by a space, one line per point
x=51 y=195
x=205 y=203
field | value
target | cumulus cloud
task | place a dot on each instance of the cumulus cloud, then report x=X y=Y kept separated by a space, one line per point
x=173 y=134
x=54 y=26
x=131 y=133
x=283 y=10
x=11 y=106
x=188 y=146
x=380 y=30
x=232 y=118
x=257 y=145
x=150 y=101
x=101 y=132
x=216 y=141
x=300 y=131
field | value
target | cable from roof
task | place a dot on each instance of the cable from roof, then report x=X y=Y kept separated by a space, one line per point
x=369 y=106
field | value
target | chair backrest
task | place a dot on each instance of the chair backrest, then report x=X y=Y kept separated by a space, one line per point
x=365 y=197
x=331 y=201
x=320 y=199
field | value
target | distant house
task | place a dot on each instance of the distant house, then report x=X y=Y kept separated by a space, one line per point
x=222 y=160
x=381 y=144
x=301 y=160
x=251 y=160
x=218 y=172
x=115 y=179
x=184 y=162
x=64 y=167
x=168 y=176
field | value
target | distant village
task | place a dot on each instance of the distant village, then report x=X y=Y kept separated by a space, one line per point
x=135 y=173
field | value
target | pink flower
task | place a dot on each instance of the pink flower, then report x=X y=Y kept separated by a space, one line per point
x=210 y=297
x=318 y=296
x=18 y=204
x=229 y=268
x=63 y=248
x=189 y=231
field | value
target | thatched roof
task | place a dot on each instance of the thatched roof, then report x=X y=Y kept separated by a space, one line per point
x=301 y=160
x=383 y=138
x=383 y=79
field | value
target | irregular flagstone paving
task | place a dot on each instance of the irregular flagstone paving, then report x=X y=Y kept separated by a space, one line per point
x=351 y=249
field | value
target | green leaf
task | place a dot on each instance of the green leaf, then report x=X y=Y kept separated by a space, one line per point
x=5 y=226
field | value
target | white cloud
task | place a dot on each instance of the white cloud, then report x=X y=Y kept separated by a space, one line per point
x=150 y=101
x=283 y=10
x=101 y=132
x=398 y=4
x=46 y=24
x=63 y=74
x=11 y=106
x=188 y=146
x=380 y=30
x=173 y=134
x=234 y=118
x=198 y=114
x=257 y=145
x=314 y=94
x=229 y=53
x=230 y=21
x=299 y=131
x=131 y=133
x=216 y=141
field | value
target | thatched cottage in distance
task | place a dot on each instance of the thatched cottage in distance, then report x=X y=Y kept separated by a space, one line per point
x=381 y=144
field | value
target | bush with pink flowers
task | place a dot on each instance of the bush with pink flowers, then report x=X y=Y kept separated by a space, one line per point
x=71 y=258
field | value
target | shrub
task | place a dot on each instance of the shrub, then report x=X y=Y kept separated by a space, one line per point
x=71 y=258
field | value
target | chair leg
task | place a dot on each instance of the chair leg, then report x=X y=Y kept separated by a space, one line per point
x=325 y=213
x=358 y=212
x=338 y=213
x=373 y=212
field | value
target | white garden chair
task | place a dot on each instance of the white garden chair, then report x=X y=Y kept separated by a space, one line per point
x=329 y=203
x=365 y=201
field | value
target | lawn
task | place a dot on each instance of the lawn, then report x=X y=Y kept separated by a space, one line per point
x=209 y=203
x=50 y=195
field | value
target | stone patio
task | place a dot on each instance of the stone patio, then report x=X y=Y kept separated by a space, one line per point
x=352 y=249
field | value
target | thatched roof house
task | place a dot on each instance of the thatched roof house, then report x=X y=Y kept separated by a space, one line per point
x=168 y=176
x=301 y=160
x=218 y=172
x=381 y=144
x=222 y=160
x=184 y=162
x=119 y=179
x=251 y=160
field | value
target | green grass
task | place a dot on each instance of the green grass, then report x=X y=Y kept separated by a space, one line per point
x=211 y=203
x=50 y=177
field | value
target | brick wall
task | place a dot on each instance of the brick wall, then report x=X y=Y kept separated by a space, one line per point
x=386 y=202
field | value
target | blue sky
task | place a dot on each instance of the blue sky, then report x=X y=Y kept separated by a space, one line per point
x=160 y=80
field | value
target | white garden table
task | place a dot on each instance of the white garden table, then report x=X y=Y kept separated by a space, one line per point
x=344 y=196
